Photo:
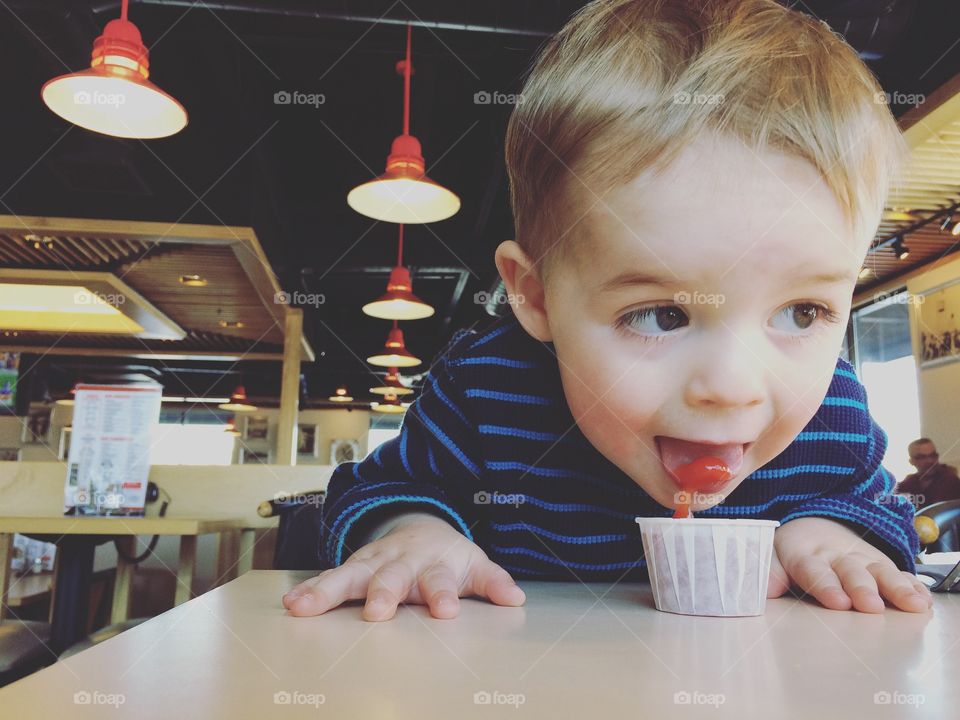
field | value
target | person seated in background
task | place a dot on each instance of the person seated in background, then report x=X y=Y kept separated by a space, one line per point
x=933 y=481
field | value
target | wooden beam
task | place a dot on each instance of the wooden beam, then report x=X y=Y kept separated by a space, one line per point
x=130 y=229
x=289 y=388
x=232 y=355
x=242 y=242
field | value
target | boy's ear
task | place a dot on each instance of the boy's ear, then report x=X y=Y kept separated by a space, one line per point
x=524 y=289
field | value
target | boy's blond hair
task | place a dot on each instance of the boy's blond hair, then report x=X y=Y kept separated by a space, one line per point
x=626 y=84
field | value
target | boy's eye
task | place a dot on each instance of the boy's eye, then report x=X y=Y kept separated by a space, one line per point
x=655 y=320
x=800 y=317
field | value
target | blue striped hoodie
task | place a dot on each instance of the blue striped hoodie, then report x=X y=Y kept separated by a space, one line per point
x=491 y=446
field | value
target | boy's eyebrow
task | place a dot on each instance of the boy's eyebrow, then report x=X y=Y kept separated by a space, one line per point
x=826 y=278
x=635 y=278
x=639 y=278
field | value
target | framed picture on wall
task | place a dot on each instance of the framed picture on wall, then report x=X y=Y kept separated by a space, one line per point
x=344 y=450
x=9 y=454
x=307 y=440
x=938 y=324
x=36 y=425
x=254 y=457
x=256 y=428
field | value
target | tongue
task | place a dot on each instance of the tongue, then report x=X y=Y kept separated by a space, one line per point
x=678 y=453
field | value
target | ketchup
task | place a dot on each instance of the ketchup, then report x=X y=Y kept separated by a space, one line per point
x=702 y=475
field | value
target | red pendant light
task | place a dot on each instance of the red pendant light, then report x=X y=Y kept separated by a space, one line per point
x=114 y=96
x=341 y=394
x=404 y=194
x=399 y=302
x=394 y=353
x=392 y=385
x=389 y=404
x=238 y=401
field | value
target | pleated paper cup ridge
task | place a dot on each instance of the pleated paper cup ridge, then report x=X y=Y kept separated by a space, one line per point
x=707 y=566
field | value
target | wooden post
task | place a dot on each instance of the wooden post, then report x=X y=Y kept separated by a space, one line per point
x=186 y=570
x=120 y=610
x=228 y=551
x=6 y=555
x=290 y=388
x=248 y=540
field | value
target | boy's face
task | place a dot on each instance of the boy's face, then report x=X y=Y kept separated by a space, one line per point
x=706 y=304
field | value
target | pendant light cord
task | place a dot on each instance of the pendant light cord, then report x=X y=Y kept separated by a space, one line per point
x=407 y=69
x=123 y=9
x=400 y=247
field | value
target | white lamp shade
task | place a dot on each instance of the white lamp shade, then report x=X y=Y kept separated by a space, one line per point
x=404 y=200
x=114 y=105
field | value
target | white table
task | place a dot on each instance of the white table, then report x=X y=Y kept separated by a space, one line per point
x=573 y=651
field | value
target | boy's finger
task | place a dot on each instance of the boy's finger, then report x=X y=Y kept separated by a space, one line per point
x=491 y=581
x=388 y=587
x=328 y=590
x=778 y=582
x=439 y=590
x=899 y=588
x=303 y=588
x=921 y=588
x=859 y=583
x=815 y=576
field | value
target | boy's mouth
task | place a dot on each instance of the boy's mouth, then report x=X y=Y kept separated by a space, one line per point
x=675 y=452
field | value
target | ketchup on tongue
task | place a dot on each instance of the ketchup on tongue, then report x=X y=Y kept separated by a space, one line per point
x=703 y=474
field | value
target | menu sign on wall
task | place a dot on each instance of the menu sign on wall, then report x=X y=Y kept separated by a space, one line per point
x=109 y=459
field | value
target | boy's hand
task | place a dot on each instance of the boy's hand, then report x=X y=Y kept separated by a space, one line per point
x=423 y=560
x=831 y=562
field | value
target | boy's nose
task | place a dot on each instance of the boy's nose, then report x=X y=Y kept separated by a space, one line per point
x=730 y=375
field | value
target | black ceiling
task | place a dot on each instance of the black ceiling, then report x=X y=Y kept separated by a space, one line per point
x=285 y=169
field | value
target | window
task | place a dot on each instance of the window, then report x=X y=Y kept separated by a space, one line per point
x=382 y=428
x=886 y=367
x=191 y=445
x=191 y=436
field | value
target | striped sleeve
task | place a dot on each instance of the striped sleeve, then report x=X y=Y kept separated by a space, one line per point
x=430 y=466
x=865 y=498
